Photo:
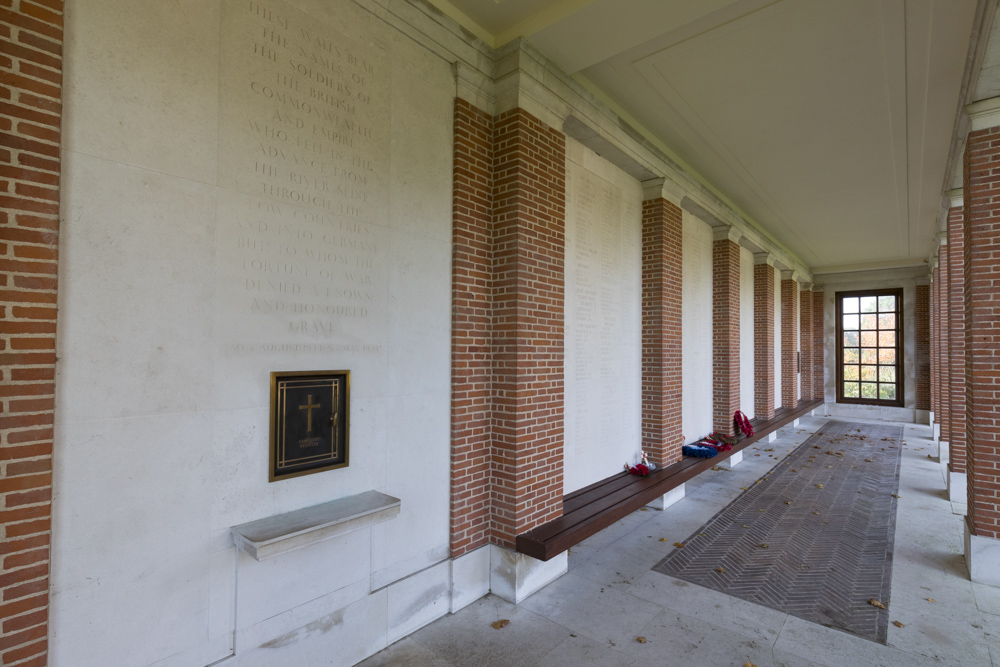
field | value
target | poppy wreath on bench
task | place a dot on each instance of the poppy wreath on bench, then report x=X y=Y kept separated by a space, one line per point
x=718 y=441
x=742 y=423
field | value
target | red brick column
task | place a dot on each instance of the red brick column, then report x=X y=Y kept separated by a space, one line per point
x=471 y=330
x=763 y=336
x=508 y=300
x=819 y=344
x=933 y=350
x=982 y=329
x=944 y=363
x=921 y=325
x=529 y=245
x=806 y=342
x=956 y=340
x=30 y=136
x=725 y=330
x=661 y=330
x=789 y=346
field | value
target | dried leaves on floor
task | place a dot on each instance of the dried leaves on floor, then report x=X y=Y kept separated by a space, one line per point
x=875 y=603
x=502 y=623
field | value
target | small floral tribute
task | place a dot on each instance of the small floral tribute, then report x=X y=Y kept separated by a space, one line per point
x=742 y=423
x=640 y=469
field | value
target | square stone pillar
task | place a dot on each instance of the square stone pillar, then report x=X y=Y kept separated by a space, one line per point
x=806 y=341
x=981 y=243
x=763 y=335
x=725 y=328
x=662 y=376
x=956 y=349
x=789 y=339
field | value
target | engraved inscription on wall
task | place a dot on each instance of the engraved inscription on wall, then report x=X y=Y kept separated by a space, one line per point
x=303 y=165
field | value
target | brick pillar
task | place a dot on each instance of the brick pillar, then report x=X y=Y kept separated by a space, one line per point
x=763 y=335
x=471 y=333
x=725 y=329
x=806 y=342
x=529 y=245
x=933 y=350
x=819 y=344
x=30 y=135
x=944 y=363
x=662 y=235
x=981 y=274
x=956 y=343
x=789 y=343
x=507 y=326
x=921 y=352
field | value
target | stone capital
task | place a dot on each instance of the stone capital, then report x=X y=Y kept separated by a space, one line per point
x=662 y=188
x=805 y=287
x=726 y=233
x=790 y=275
x=764 y=258
x=932 y=266
x=984 y=114
x=942 y=238
x=955 y=197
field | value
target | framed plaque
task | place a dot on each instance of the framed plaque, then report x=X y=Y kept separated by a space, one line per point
x=310 y=413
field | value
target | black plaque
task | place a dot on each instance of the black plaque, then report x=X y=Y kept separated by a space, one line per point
x=309 y=422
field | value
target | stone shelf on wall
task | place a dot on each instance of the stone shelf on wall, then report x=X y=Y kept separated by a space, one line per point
x=268 y=537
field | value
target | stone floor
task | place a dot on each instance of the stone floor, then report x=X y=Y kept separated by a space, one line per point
x=594 y=614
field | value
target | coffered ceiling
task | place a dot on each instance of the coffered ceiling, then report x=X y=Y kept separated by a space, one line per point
x=827 y=122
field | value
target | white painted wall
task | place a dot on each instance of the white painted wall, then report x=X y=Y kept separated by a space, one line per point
x=697 y=328
x=603 y=318
x=777 y=337
x=746 y=333
x=186 y=281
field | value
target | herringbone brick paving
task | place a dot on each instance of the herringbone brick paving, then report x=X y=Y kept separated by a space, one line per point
x=813 y=537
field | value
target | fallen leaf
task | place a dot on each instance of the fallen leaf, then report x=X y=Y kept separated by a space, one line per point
x=788 y=502
x=678 y=545
x=931 y=600
x=744 y=488
x=720 y=569
x=829 y=466
x=663 y=539
x=641 y=640
x=502 y=623
x=869 y=461
x=816 y=513
x=875 y=603
x=929 y=456
x=794 y=470
x=819 y=486
x=898 y=624
x=703 y=534
x=764 y=546
x=760 y=510
x=745 y=526
x=643 y=509
x=895 y=495
x=749 y=664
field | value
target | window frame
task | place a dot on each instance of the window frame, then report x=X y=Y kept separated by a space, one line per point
x=899 y=401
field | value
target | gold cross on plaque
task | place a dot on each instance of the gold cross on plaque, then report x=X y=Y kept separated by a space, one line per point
x=309 y=407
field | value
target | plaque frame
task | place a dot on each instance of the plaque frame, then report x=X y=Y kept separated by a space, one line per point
x=334 y=390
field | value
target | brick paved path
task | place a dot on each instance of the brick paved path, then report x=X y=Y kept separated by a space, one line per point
x=827 y=516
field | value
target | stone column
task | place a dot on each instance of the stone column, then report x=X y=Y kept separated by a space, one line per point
x=819 y=343
x=956 y=350
x=662 y=235
x=789 y=339
x=725 y=328
x=806 y=341
x=763 y=335
x=982 y=341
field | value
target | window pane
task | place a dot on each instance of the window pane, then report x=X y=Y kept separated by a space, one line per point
x=869 y=321
x=850 y=339
x=887 y=392
x=868 y=339
x=850 y=322
x=886 y=304
x=851 y=305
x=851 y=390
x=887 y=373
x=869 y=356
x=869 y=390
x=887 y=321
x=886 y=356
x=851 y=373
x=869 y=373
x=851 y=355
x=868 y=304
x=886 y=338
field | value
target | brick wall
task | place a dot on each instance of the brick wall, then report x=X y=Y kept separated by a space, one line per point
x=944 y=363
x=789 y=346
x=819 y=345
x=725 y=334
x=806 y=342
x=981 y=274
x=956 y=340
x=471 y=331
x=661 y=330
x=31 y=98
x=935 y=407
x=763 y=340
x=921 y=352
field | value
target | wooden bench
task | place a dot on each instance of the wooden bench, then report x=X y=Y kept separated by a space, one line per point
x=601 y=504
